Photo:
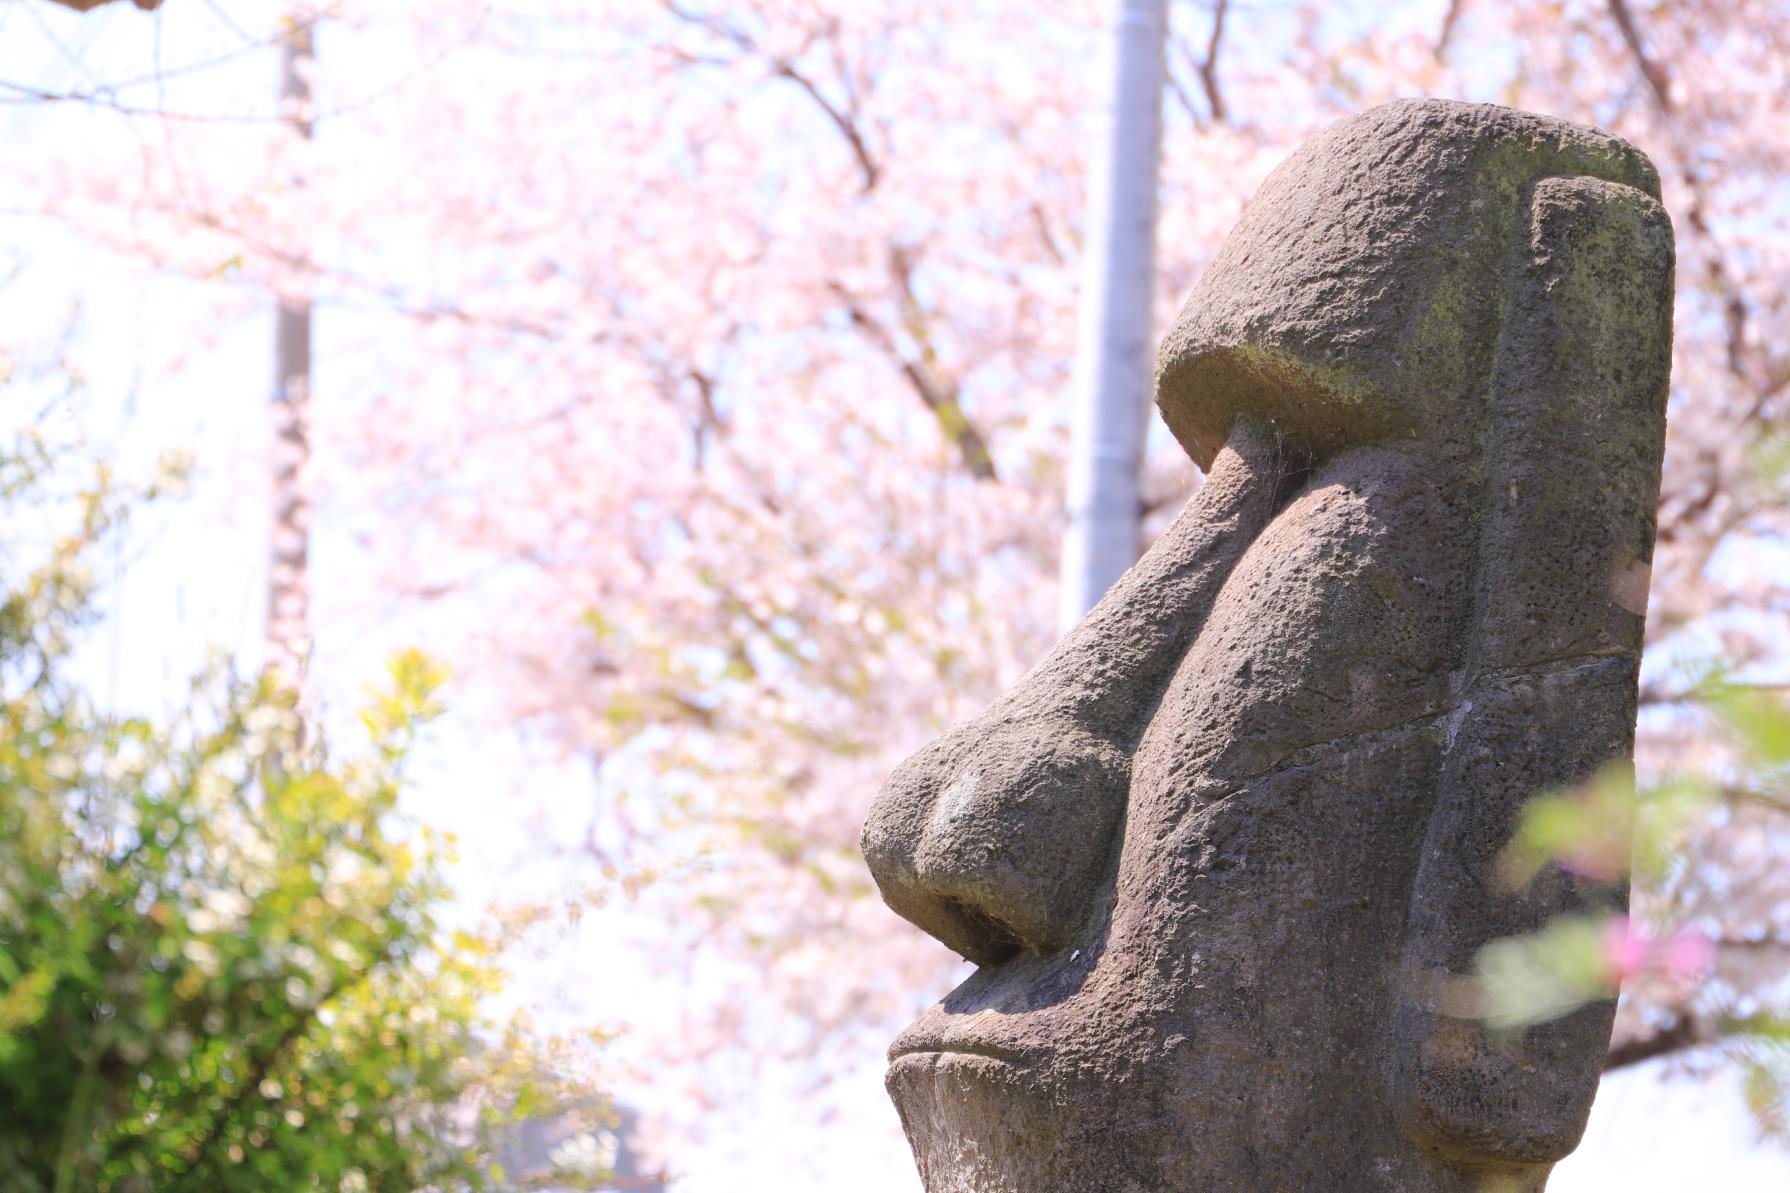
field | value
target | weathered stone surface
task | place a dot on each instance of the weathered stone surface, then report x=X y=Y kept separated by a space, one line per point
x=1224 y=855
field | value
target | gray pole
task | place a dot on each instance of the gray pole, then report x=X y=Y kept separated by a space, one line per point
x=1110 y=390
x=289 y=546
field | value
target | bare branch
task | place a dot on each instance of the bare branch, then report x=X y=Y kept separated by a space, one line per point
x=106 y=95
x=1686 y=1033
x=1209 y=67
x=1650 y=70
x=1450 y=19
x=1045 y=235
x=843 y=119
x=102 y=97
x=1690 y=1030
x=939 y=397
x=708 y=416
x=847 y=127
x=1180 y=92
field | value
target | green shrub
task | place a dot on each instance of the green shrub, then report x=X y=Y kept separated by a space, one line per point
x=220 y=962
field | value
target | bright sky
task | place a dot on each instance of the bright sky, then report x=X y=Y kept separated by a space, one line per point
x=197 y=584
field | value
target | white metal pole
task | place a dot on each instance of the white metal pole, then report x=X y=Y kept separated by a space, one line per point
x=1112 y=377
x=288 y=630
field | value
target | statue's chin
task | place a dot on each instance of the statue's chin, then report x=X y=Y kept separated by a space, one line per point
x=975 y=1123
x=979 y=1124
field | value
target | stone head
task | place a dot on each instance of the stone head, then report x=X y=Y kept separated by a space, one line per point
x=1225 y=856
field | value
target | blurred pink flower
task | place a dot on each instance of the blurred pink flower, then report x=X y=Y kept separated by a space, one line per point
x=1687 y=955
x=1630 y=951
x=1625 y=950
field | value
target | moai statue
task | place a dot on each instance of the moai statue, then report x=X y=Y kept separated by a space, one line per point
x=1226 y=856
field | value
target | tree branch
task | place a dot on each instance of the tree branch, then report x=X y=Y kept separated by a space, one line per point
x=1690 y=1030
x=708 y=415
x=1655 y=74
x=938 y=397
x=1686 y=1033
x=843 y=119
x=847 y=127
x=1045 y=235
x=1209 y=68
x=260 y=1066
x=1450 y=19
x=1180 y=92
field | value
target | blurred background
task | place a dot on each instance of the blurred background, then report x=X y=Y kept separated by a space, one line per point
x=491 y=489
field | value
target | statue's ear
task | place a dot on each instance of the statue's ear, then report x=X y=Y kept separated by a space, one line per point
x=1574 y=436
x=1576 y=428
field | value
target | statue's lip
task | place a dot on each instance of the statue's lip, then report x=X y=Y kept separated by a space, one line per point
x=929 y=1037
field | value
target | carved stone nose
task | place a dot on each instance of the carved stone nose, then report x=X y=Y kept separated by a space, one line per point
x=996 y=838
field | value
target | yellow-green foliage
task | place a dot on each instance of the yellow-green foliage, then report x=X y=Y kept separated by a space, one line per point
x=220 y=966
x=1609 y=830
